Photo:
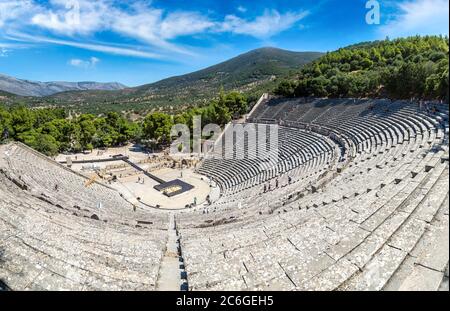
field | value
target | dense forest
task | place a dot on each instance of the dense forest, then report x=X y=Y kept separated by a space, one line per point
x=52 y=131
x=414 y=67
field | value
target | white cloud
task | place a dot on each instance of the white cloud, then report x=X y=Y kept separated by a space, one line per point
x=90 y=63
x=137 y=20
x=265 y=26
x=149 y=26
x=13 y=10
x=7 y=48
x=111 y=49
x=418 y=17
x=184 y=23
x=12 y=45
x=76 y=22
x=242 y=9
x=3 y=52
x=73 y=16
x=154 y=26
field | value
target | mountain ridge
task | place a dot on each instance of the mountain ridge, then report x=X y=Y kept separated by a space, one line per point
x=24 y=87
x=288 y=58
x=244 y=72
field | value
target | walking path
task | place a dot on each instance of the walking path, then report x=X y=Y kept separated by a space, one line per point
x=169 y=277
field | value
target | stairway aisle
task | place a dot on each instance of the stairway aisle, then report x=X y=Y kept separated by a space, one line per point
x=169 y=277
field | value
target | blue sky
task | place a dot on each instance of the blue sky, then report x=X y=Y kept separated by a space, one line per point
x=142 y=41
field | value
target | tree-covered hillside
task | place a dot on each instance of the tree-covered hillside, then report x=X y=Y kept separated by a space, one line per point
x=415 y=67
x=254 y=70
x=51 y=130
x=254 y=66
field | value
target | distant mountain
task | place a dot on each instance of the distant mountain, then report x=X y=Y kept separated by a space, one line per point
x=6 y=94
x=243 y=73
x=35 y=88
x=254 y=66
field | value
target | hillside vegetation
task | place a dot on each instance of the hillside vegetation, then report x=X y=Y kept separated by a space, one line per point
x=249 y=73
x=51 y=131
x=415 y=67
